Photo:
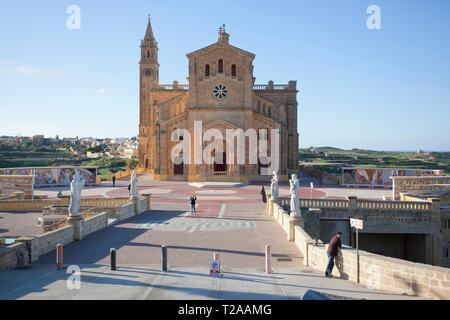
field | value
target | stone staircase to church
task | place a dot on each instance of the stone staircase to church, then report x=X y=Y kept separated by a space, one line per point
x=177 y=178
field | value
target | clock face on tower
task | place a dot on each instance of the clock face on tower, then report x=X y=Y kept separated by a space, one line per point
x=148 y=72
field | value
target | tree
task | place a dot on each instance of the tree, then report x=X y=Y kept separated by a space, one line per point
x=132 y=164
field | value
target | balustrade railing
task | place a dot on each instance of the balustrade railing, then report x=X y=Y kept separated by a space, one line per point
x=360 y=204
x=173 y=87
x=38 y=205
x=266 y=87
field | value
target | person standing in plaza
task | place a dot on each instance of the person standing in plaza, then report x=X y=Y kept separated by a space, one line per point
x=332 y=252
x=114 y=180
x=192 y=199
x=263 y=194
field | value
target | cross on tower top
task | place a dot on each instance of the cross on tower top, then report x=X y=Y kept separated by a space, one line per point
x=222 y=29
x=223 y=36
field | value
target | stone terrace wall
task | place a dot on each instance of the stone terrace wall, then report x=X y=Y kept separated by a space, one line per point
x=375 y=271
x=126 y=211
x=9 y=254
x=47 y=242
x=96 y=223
x=142 y=205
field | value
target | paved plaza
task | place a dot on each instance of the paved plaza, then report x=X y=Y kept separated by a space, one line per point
x=229 y=221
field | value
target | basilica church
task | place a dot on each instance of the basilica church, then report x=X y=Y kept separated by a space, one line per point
x=221 y=94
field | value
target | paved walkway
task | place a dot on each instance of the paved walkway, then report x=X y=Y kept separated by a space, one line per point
x=145 y=282
x=237 y=230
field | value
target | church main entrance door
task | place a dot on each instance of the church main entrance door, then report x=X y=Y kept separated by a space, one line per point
x=220 y=166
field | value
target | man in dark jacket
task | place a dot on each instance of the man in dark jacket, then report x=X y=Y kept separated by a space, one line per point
x=332 y=252
x=263 y=194
x=192 y=199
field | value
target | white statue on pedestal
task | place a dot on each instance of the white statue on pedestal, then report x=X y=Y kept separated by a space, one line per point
x=133 y=186
x=295 y=205
x=76 y=186
x=274 y=186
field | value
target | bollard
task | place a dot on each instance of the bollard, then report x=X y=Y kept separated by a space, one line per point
x=113 y=258
x=268 y=257
x=59 y=256
x=164 y=258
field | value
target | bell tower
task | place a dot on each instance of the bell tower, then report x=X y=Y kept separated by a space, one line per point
x=149 y=65
x=149 y=79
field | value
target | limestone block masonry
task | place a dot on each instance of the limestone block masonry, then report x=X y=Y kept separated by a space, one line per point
x=9 y=255
x=222 y=95
x=375 y=271
x=77 y=230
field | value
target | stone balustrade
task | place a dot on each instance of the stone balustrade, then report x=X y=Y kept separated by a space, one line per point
x=267 y=87
x=104 y=202
x=354 y=203
x=172 y=87
x=38 y=205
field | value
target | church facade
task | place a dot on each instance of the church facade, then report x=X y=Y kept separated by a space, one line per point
x=221 y=96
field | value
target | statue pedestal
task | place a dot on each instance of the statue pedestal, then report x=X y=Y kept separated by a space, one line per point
x=135 y=200
x=294 y=220
x=271 y=202
x=78 y=224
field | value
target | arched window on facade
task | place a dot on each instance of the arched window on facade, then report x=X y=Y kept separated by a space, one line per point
x=258 y=108
x=207 y=71
x=220 y=66
x=269 y=111
x=148 y=54
x=264 y=109
x=233 y=70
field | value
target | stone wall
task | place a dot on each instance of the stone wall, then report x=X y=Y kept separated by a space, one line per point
x=37 y=246
x=126 y=211
x=282 y=217
x=47 y=242
x=375 y=271
x=142 y=205
x=9 y=255
x=95 y=223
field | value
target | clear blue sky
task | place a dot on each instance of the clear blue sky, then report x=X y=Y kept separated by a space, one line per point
x=386 y=89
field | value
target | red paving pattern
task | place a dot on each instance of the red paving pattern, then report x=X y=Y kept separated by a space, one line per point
x=184 y=191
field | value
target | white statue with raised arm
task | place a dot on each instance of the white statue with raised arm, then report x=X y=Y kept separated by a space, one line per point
x=295 y=186
x=274 y=186
x=76 y=186
x=133 y=186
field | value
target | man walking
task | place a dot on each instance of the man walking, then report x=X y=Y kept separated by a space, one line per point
x=192 y=199
x=114 y=180
x=332 y=252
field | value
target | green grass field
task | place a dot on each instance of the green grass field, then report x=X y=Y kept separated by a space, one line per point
x=53 y=157
x=331 y=160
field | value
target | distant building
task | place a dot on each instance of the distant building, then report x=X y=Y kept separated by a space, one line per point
x=7 y=139
x=38 y=140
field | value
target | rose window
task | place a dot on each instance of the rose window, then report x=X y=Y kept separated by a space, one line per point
x=220 y=91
